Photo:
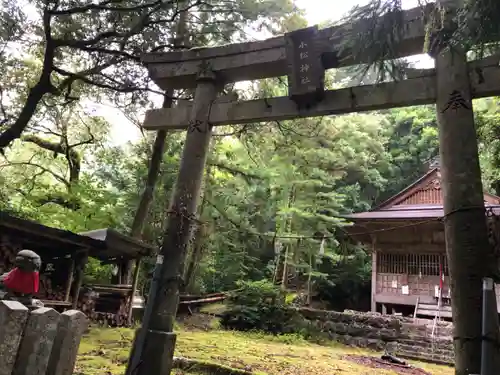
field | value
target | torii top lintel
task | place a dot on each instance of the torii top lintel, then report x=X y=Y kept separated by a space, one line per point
x=268 y=58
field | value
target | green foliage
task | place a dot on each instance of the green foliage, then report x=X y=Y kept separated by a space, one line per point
x=473 y=26
x=260 y=306
x=347 y=284
x=96 y=272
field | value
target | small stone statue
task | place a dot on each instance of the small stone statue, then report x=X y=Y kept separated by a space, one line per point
x=22 y=282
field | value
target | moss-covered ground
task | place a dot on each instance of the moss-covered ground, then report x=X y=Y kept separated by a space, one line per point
x=106 y=350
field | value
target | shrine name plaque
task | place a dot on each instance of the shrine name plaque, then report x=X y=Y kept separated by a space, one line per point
x=306 y=74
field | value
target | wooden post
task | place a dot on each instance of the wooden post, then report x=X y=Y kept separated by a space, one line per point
x=469 y=255
x=374 y=275
x=80 y=268
x=182 y=215
x=70 y=279
x=134 y=289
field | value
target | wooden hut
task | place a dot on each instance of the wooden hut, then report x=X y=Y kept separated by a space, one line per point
x=64 y=256
x=405 y=235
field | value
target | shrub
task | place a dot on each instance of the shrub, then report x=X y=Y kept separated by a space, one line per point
x=261 y=306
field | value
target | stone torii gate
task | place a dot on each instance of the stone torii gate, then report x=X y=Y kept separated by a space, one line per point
x=303 y=56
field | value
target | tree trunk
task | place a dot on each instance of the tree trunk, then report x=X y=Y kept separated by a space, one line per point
x=470 y=257
x=156 y=158
x=147 y=194
x=196 y=256
x=199 y=239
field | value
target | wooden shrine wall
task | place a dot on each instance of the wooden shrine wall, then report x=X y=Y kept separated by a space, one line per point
x=410 y=256
x=408 y=261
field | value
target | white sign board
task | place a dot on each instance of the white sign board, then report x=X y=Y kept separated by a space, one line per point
x=405 y=290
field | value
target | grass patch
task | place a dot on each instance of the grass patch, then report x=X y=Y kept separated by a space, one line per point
x=106 y=350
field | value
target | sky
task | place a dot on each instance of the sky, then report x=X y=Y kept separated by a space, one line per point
x=317 y=12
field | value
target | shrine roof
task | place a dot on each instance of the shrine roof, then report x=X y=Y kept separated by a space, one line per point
x=420 y=200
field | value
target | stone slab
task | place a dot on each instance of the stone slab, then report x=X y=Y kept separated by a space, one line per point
x=13 y=317
x=37 y=341
x=72 y=325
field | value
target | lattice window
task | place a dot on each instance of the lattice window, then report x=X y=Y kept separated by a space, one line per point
x=392 y=263
x=412 y=264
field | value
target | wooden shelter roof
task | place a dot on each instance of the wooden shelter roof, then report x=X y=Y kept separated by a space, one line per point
x=119 y=246
x=48 y=241
x=104 y=244
x=420 y=200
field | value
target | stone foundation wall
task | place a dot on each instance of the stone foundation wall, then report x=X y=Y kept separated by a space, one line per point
x=381 y=332
x=363 y=330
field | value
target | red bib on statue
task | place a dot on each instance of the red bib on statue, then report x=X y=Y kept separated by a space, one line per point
x=22 y=282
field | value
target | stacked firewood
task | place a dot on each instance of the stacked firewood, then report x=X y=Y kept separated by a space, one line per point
x=111 y=319
x=8 y=252
x=86 y=302
x=111 y=305
x=49 y=291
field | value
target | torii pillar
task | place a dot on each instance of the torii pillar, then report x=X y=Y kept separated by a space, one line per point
x=155 y=341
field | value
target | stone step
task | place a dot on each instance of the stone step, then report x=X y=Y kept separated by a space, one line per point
x=441 y=331
x=426 y=345
x=425 y=357
x=425 y=350
x=429 y=339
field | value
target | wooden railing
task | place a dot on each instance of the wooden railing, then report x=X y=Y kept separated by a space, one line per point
x=39 y=342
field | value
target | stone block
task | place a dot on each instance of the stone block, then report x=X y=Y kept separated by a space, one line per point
x=329 y=326
x=36 y=343
x=340 y=328
x=375 y=344
x=13 y=316
x=373 y=334
x=377 y=322
x=388 y=334
x=333 y=336
x=349 y=340
x=361 y=342
x=392 y=347
x=72 y=325
x=357 y=330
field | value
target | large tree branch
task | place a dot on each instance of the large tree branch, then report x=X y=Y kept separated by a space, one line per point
x=104 y=6
x=103 y=44
x=42 y=169
x=248 y=176
x=36 y=93
x=69 y=203
x=72 y=156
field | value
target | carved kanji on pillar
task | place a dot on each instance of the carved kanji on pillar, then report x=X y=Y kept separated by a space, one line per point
x=306 y=83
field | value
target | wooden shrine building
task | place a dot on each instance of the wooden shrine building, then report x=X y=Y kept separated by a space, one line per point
x=64 y=256
x=406 y=237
